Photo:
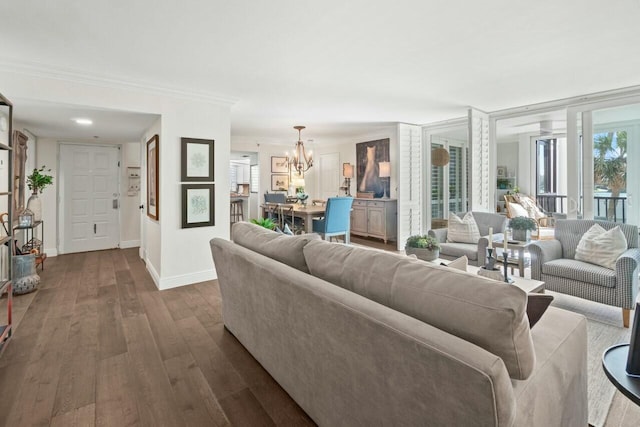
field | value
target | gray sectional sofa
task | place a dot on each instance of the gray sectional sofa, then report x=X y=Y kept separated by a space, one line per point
x=360 y=337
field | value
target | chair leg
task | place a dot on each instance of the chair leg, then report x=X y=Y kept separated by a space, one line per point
x=625 y=317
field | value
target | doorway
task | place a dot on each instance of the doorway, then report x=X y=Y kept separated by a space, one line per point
x=89 y=197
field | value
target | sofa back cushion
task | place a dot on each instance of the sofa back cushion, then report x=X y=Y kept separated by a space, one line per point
x=487 y=313
x=278 y=246
x=570 y=231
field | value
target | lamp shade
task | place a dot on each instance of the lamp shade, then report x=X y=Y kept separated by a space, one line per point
x=347 y=170
x=385 y=169
x=297 y=182
x=439 y=157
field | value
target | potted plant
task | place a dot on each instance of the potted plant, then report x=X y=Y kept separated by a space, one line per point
x=265 y=222
x=37 y=181
x=425 y=247
x=522 y=227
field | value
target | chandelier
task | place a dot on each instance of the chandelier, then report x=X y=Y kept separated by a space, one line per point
x=300 y=161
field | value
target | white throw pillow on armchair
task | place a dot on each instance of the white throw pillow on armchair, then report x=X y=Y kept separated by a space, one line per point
x=463 y=230
x=601 y=247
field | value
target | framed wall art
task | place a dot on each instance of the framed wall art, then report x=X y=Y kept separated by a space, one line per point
x=197 y=160
x=153 y=175
x=198 y=205
x=279 y=182
x=279 y=165
x=502 y=171
x=368 y=157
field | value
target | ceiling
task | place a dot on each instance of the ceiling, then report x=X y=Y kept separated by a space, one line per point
x=337 y=67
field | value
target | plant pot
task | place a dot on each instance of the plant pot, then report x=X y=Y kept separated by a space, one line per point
x=423 y=254
x=25 y=279
x=521 y=235
x=34 y=204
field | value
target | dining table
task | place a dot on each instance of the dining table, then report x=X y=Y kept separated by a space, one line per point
x=306 y=212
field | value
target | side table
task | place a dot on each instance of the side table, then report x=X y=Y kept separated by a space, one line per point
x=614 y=362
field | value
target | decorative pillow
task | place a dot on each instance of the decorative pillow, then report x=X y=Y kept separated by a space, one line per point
x=537 y=304
x=463 y=230
x=601 y=247
x=459 y=263
x=518 y=210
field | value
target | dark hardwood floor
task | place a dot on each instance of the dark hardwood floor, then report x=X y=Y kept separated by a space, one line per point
x=98 y=344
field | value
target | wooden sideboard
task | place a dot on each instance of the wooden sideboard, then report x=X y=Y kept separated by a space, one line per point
x=375 y=218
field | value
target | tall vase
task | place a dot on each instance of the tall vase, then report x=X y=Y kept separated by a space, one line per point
x=34 y=204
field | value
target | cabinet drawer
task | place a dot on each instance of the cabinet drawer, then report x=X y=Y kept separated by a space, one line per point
x=359 y=203
x=375 y=204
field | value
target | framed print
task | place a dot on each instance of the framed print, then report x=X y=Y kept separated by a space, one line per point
x=197 y=160
x=368 y=157
x=198 y=205
x=279 y=165
x=279 y=182
x=153 y=173
x=502 y=171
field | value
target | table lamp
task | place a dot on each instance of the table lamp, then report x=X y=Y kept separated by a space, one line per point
x=347 y=172
x=385 y=172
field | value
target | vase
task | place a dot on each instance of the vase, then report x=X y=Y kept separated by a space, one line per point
x=521 y=235
x=34 y=204
x=23 y=269
x=423 y=253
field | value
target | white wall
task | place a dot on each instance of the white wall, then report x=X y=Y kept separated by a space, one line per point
x=507 y=155
x=184 y=255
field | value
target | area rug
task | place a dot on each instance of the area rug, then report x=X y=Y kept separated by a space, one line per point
x=604 y=329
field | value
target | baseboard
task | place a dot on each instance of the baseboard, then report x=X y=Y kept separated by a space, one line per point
x=186 y=279
x=129 y=244
x=154 y=274
x=51 y=252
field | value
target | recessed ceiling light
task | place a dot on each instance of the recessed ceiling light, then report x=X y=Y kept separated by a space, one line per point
x=83 y=121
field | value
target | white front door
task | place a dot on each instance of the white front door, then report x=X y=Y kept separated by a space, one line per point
x=89 y=196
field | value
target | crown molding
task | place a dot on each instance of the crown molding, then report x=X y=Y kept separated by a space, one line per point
x=40 y=70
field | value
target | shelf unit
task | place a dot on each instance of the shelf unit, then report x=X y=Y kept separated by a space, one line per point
x=501 y=192
x=6 y=135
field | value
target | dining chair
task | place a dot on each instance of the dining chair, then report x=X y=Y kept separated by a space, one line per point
x=273 y=212
x=337 y=219
x=275 y=198
x=287 y=215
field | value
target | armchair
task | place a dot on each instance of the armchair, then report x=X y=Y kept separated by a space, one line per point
x=475 y=252
x=523 y=205
x=552 y=261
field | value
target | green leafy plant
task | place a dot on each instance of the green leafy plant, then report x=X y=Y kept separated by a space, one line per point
x=38 y=180
x=523 y=223
x=423 y=242
x=265 y=222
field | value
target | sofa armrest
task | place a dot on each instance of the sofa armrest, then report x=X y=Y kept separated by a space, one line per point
x=543 y=251
x=627 y=266
x=439 y=233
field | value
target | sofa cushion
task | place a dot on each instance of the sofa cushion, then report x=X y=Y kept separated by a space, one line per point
x=601 y=247
x=283 y=248
x=463 y=230
x=487 y=313
x=470 y=250
x=581 y=271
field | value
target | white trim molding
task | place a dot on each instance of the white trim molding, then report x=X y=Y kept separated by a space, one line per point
x=186 y=279
x=36 y=69
x=125 y=244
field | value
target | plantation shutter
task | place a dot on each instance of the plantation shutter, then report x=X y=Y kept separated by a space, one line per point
x=410 y=182
x=479 y=197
